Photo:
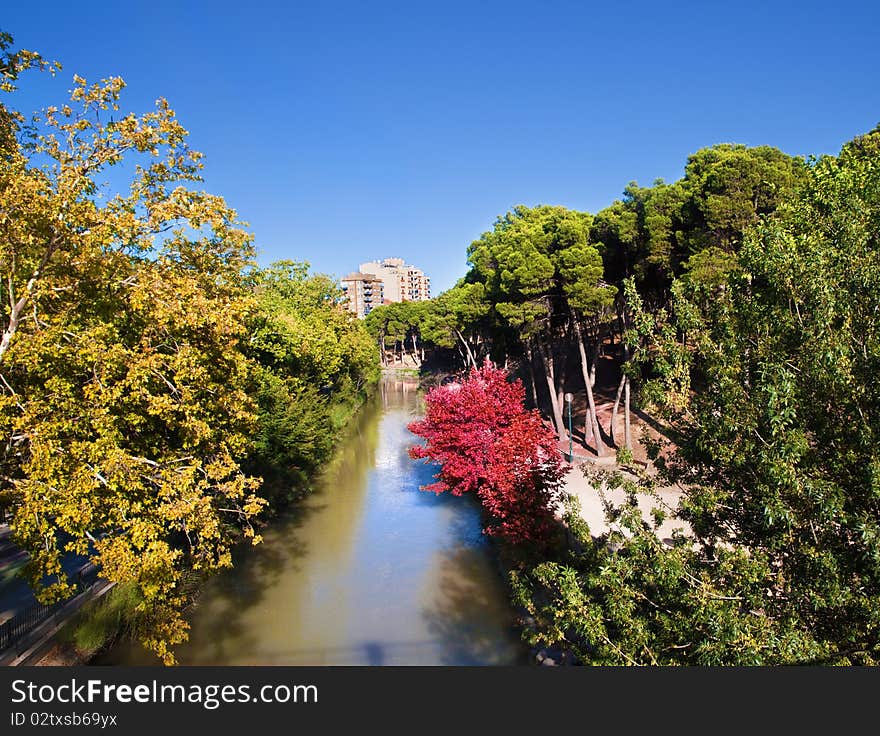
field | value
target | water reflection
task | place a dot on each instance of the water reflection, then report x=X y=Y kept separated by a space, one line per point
x=464 y=614
x=368 y=571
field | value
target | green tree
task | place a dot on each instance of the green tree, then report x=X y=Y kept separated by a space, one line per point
x=397 y=325
x=640 y=236
x=588 y=299
x=770 y=394
x=543 y=279
x=454 y=320
x=313 y=365
x=514 y=262
x=652 y=232
x=729 y=187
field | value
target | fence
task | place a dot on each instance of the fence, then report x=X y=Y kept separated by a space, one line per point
x=21 y=624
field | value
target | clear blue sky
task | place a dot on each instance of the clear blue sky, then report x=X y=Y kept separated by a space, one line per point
x=344 y=132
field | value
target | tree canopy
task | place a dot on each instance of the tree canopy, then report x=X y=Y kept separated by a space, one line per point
x=652 y=232
x=487 y=444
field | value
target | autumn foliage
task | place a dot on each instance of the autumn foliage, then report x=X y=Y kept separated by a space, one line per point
x=486 y=442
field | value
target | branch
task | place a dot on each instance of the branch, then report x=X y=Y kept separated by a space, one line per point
x=168 y=383
x=18 y=306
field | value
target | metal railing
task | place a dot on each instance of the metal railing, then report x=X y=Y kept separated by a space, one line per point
x=13 y=630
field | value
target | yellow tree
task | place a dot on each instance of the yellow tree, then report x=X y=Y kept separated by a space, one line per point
x=124 y=408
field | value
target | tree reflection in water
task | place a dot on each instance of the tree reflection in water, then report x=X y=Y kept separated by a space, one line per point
x=366 y=571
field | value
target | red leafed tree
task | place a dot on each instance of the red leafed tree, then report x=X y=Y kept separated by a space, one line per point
x=487 y=443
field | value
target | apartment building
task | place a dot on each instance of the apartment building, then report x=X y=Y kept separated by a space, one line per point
x=363 y=291
x=386 y=281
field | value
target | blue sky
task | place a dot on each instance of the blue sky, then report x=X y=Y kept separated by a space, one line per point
x=344 y=132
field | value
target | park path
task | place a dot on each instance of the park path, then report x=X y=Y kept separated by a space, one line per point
x=592 y=511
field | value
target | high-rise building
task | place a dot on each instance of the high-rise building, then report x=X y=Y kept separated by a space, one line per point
x=363 y=291
x=397 y=282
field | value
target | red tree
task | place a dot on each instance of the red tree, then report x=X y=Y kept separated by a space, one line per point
x=486 y=443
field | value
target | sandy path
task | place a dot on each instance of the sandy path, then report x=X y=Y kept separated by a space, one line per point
x=593 y=513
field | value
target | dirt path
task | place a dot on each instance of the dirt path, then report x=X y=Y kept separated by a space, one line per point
x=592 y=511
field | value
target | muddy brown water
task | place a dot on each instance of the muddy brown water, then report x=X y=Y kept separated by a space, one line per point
x=368 y=570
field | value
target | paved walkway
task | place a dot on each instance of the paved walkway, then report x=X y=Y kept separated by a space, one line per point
x=593 y=513
x=15 y=593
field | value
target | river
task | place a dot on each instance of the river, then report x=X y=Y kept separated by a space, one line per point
x=368 y=570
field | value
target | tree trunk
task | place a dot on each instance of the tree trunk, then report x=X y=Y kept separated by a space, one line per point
x=532 y=385
x=470 y=355
x=12 y=326
x=382 y=353
x=626 y=427
x=479 y=351
x=16 y=306
x=550 y=376
x=559 y=379
x=613 y=421
x=596 y=348
x=592 y=419
x=415 y=351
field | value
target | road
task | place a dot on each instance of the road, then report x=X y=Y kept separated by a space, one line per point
x=15 y=593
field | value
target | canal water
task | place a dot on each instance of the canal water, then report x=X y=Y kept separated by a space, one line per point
x=368 y=570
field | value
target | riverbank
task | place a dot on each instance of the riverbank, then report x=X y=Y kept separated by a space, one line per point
x=54 y=642
x=400 y=370
x=586 y=514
